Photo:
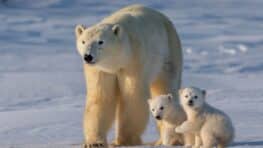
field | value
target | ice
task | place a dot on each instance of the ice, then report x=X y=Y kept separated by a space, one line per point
x=42 y=85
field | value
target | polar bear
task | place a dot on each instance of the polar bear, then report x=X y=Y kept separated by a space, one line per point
x=131 y=55
x=211 y=126
x=168 y=110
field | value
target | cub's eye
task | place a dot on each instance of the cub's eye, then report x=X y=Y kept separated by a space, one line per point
x=195 y=97
x=161 y=108
x=153 y=110
x=186 y=96
x=83 y=42
x=100 y=42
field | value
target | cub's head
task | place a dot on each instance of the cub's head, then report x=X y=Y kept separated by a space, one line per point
x=160 y=106
x=105 y=46
x=192 y=97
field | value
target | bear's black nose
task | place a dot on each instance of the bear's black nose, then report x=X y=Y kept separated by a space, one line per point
x=158 y=117
x=190 y=102
x=88 y=58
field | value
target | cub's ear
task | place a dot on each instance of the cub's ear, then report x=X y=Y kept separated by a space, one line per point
x=204 y=92
x=170 y=97
x=79 y=29
x=116 y=29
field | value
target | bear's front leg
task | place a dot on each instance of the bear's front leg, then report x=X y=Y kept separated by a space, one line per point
x=132 y=113
x=100 y=107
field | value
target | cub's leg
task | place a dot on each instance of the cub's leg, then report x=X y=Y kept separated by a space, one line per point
x=189 y=139
x=208 y=140
x=198 y=141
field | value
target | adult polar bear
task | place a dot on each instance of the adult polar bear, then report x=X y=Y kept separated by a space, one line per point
x=128 y=56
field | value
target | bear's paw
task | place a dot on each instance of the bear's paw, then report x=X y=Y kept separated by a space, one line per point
x=94 y=145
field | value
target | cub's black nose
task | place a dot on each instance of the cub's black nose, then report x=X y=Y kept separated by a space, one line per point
x=190 y=102
x=158 y=117
x=88 y=58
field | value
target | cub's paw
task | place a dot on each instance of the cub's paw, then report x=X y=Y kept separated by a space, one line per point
x=94 y=145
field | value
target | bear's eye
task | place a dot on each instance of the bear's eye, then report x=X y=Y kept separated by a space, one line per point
x=186 y=96
x=153 y=110
x=161 y=108
x=83 y=42
x=195 y=97
x=100 y=42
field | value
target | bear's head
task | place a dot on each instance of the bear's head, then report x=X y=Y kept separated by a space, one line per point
x=104 y=46
x=192 y=97
x=161 y=106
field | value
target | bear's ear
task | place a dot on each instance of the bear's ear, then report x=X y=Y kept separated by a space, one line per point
x=116 y=29
x=79 y=29
x=204 y=92
x=170 y=96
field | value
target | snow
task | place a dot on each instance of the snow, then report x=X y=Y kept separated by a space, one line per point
x=42 y=89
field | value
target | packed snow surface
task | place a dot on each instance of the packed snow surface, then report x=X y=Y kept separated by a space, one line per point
x=42 y=89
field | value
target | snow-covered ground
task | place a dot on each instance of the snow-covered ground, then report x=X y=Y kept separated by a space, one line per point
x=42 y=90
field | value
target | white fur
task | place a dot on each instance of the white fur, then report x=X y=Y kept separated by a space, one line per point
x=140 y=57
x=211 y=126
x=168 y=110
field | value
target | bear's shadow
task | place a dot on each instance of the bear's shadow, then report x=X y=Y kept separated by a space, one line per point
x=247 y=143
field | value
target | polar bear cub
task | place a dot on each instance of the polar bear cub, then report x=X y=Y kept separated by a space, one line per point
x=211 y=126
x=168 y=110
